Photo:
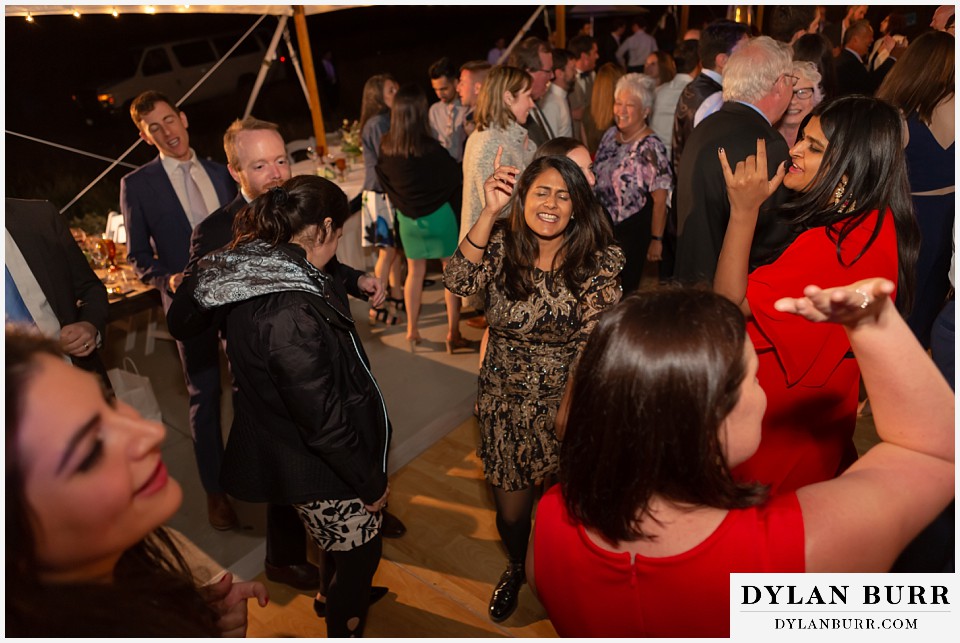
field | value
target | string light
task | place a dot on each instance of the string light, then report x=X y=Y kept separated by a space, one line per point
x=151 y=9
x=115 y=13
x=29 y=17
x=76 y=14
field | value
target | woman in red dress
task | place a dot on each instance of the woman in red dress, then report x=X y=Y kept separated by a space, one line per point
x=641 y=535
x=855 y=218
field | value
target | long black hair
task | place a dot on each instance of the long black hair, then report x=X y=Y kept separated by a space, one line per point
x=277 y=215
x=587 y=233
x=153 y=592
x=658 y=376
x=864 y=149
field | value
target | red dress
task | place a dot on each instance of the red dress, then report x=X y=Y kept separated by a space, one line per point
x=807 y=371
x=589 y=591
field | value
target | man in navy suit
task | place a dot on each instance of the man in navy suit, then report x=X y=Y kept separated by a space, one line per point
x=162 y=202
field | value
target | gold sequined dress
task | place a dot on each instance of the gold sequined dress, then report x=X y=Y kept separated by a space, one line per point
x=532 y=347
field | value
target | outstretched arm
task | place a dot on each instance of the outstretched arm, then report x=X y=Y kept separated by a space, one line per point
x=863 y=519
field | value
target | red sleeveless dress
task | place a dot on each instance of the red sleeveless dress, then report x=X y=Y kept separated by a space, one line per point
x=589 y=591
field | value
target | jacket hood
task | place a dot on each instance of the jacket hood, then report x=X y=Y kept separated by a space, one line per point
x=255 y=269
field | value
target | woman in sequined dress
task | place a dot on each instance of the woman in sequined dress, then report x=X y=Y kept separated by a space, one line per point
x=545 y=269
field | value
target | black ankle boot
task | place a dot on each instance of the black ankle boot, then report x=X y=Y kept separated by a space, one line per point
x=504 y=599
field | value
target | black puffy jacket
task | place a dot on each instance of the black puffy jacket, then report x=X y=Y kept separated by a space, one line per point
x=309 y=422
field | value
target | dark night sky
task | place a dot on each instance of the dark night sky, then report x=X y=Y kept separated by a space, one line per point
x=49 y=60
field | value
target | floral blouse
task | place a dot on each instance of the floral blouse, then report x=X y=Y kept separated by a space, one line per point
x=628 y=172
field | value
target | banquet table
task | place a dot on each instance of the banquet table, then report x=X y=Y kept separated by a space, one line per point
x=350 y=251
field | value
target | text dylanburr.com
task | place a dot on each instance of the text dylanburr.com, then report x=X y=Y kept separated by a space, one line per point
x=844 y=607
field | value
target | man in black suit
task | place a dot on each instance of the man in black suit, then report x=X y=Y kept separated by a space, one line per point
x=161 y=203
x=852 y=74
x=837 y=32
x=717 y=43
x=608 y=43
x=50 y=283
x=757 y=88
x=534 y=56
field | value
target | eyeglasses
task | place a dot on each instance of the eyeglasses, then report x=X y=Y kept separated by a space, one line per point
x=804 y=93
x=792 y=80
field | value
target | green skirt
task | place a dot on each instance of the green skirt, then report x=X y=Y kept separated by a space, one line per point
x=431 y=237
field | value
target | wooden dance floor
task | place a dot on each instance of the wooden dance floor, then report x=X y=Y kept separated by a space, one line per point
x=440 y=573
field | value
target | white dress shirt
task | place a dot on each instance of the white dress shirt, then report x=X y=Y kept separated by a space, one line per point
x=556 y=110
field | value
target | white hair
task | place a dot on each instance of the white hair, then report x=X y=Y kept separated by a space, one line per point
x=640 y=86
x=808 y=71
x=754 y=67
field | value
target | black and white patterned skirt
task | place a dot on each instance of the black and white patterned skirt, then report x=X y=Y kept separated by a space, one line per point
x=339 y=525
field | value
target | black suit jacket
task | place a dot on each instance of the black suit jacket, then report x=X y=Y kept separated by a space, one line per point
x=690 y=100
x=74 y=291
x=853 y=77
x=607 y=47
x=537 y=134
x=703 y=207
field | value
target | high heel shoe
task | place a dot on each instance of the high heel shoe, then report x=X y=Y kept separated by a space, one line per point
x=457 y=344
x=385 y=315
x=414 y=342
x=399 y=303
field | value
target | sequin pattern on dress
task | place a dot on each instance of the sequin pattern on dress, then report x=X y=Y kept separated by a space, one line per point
x=533 y=345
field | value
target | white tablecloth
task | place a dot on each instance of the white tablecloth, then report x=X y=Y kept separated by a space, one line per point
x=350 y=251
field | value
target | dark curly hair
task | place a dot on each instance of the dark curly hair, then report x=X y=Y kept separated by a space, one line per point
x=587 y=234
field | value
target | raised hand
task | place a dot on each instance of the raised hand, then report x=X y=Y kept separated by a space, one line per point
x=498 y=187
x=850 y=305
x=749 y=185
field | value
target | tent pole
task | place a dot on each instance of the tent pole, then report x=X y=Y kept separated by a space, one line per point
x=561 y=25
x=306 y=59
x=268 y=59
x=524 y=29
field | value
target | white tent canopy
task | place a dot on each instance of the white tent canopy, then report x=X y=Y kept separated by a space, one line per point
x=13 y=10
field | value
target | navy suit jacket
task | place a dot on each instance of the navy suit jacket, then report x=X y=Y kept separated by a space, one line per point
x=158 y=230
x=68 y=282
x=703 y=208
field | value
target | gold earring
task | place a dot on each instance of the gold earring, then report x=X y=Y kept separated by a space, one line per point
x=841 y=188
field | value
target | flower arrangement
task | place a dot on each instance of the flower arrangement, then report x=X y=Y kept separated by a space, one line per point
x=350 y=137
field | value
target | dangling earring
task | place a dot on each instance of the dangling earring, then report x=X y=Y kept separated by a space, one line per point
x=841 y=188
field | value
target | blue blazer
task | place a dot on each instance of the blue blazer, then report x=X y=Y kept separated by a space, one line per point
x=158 y=229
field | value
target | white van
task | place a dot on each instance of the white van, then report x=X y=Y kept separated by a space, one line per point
x=174 y=67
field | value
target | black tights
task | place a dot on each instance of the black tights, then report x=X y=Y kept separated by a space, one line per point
x=513 y=520
x=347 y=576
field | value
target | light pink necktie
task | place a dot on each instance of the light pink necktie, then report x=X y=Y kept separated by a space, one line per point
x=198 y=209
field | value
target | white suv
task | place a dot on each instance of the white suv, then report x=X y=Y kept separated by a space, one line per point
x=174 y=67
